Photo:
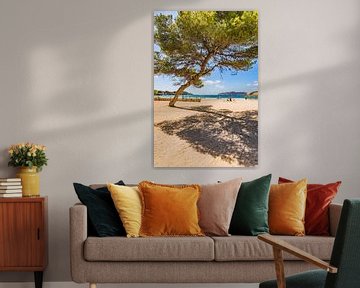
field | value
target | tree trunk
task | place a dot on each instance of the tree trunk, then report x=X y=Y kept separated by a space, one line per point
x=178 y=93
x=194 y=78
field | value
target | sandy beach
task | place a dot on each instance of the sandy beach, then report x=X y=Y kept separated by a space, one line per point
x=210 y=133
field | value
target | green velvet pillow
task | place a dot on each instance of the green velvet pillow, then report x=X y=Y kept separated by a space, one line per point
x=250 y=216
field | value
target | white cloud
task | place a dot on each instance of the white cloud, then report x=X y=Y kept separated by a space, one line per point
x=254 y=83
x=212 y=82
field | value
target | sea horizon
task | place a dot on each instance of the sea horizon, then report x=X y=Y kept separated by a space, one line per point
x=204 y=96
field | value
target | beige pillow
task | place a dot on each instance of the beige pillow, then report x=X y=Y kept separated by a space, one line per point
x=216 y=205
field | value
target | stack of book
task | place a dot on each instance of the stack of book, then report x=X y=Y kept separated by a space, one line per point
x=10 y=187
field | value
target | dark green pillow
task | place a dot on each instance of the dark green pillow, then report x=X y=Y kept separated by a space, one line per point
x=250 y=216
x=103 y=218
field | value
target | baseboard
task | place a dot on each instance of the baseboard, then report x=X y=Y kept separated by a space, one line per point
x=74 y=285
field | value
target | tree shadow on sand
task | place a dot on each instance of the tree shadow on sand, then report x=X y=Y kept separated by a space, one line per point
x=233 y=136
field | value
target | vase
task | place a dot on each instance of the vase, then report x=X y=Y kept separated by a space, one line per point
x=30 y=181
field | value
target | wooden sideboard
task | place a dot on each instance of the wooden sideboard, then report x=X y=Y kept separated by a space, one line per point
x=23 y=235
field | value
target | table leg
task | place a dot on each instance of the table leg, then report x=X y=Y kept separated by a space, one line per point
x=38 y=279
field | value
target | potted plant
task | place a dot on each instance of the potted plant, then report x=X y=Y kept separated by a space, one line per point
x=30 y=158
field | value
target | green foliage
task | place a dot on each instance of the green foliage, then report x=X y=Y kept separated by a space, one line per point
x=165 y=92
x=196 y=42
x=27 y=155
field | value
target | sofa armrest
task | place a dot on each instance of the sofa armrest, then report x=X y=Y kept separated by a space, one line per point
x=78 y=235
x=334 y=216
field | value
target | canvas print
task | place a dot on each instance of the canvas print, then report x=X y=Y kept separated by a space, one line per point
x=205 y=88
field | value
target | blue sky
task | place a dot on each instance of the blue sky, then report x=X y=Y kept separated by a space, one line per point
x=244 y=81
x=216 y=82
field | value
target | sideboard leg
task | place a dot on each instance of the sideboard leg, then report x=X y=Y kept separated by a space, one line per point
x=38 y=279
x=92 y=285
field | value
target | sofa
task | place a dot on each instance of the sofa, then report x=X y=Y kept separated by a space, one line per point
x=233 y=259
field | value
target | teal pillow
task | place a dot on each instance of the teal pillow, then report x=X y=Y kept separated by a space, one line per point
x=250 y=216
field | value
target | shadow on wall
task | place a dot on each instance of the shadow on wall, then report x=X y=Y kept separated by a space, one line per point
x=64 y=83
x=55 y=48
x=317 y=135
x=325 y=138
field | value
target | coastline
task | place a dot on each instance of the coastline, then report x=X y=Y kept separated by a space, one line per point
x=205 y=97
x=209 y=133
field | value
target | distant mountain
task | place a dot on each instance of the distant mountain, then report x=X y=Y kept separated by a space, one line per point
x=253 y=93
x=162 y=92
x=232 y=93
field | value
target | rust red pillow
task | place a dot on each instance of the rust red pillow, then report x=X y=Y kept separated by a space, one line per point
x=319 y=197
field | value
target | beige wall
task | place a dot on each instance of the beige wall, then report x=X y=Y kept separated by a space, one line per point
x=77 y=76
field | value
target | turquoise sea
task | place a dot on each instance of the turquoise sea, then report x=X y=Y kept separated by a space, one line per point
x=234 y=96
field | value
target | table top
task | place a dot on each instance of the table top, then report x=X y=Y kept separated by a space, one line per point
x=23 y=199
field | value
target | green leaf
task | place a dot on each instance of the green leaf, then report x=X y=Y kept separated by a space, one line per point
x=196 y=42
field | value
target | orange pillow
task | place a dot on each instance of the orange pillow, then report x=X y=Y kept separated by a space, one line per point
x=169 y=210
x=287 y=204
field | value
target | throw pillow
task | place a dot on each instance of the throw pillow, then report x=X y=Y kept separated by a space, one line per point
x=216 y=206
x=250 y=215
x=169 y=210
x=128 y=204
x=102 y=214
x=287 y=204
x=319 y=197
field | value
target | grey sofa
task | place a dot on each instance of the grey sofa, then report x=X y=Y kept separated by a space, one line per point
x=234 y=259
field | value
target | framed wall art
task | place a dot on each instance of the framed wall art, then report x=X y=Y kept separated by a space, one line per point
x=205 y=88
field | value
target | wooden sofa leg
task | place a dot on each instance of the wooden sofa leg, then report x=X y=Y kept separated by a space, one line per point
x=92 y=285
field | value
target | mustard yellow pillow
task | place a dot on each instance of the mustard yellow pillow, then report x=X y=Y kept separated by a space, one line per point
x=169 y=210
x=287 y=204
x=127 y=201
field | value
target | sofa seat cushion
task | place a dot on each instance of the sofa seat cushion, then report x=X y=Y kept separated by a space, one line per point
x=244 y=248
x=149 y=249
